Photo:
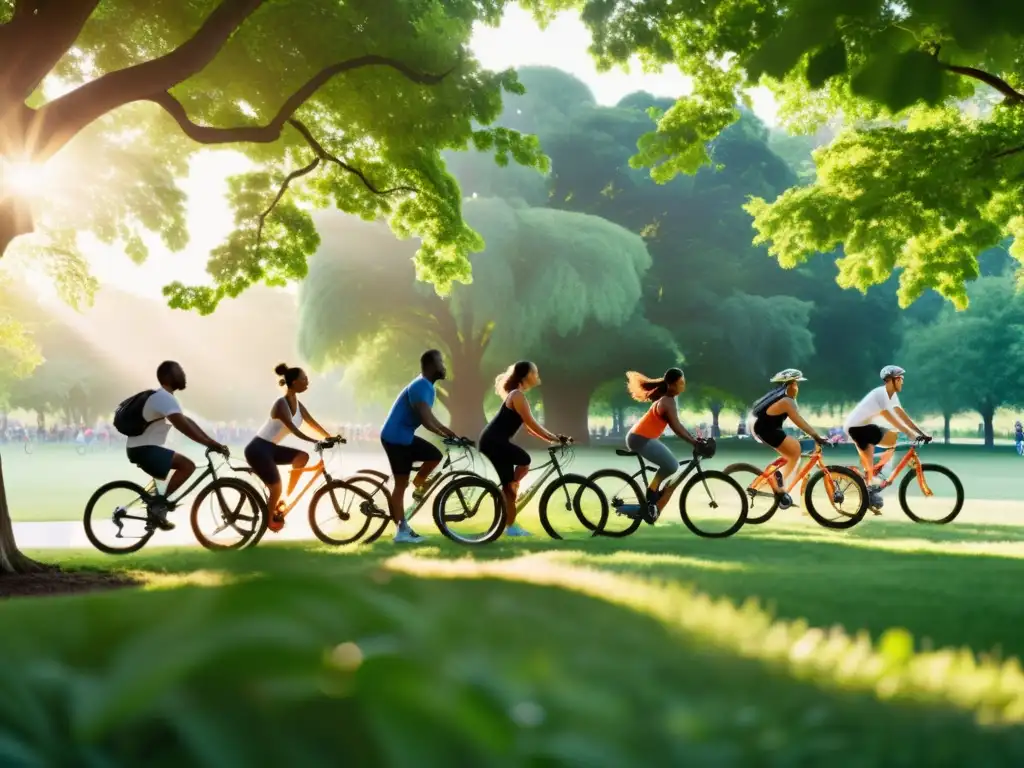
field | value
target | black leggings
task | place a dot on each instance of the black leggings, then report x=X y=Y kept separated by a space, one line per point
x=264 y=456
x=505 y=457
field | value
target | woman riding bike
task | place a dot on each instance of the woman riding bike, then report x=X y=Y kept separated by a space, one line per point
x=644 y=438
x=769 y=414
x=510 y=461
x=264 y=452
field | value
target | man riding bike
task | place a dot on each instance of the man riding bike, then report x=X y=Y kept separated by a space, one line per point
x=145 y=419
x=411 y=410
x=769 y=414
x=866 y=430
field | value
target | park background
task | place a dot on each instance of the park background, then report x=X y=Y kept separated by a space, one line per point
x=892 y=643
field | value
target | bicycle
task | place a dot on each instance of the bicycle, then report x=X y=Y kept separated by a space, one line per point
x=934 y=471
x=629 y=500
x=246 y=517
x=318 y=470
x=760 y=486
x=573 y=501
x=375 y=497
x=27 y=445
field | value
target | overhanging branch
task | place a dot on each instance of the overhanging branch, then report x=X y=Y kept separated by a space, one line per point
x=271 y=132
x=303 y=171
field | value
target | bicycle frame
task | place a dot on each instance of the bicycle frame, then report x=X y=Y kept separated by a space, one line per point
x=448 y=467
x=319 y=470
x=550 y=467
x=801 y=476
x=911 y=458
x=668 y=487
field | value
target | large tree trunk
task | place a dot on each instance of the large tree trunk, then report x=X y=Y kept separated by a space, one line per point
x=987 y=412
x=566 y=409
x=11 y=559
x=716 y=410
x=466 y=392
x=946 y=418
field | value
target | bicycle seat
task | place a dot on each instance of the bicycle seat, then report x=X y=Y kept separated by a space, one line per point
x=623 y=452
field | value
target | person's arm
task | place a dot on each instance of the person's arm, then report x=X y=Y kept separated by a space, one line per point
x=671 y=414
x=790 y=407
x=191 y=430
x=313 y=422
x=899 y=425
x=282 y=414
x=522 y=407
x=905 y=417
x=430 y=420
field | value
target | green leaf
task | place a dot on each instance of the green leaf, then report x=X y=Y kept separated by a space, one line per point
x=825 y=63
x=899 y=80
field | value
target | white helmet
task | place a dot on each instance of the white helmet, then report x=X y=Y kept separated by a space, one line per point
x=891 y=372
x=788 y=375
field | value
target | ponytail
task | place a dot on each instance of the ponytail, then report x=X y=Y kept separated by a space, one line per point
x=645 y=390
x=512 y=377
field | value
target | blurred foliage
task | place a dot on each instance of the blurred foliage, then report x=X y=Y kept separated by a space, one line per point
x=927 y=174
x=372 y=118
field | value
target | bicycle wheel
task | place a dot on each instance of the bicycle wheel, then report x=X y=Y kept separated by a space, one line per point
x=762 y=503
x=81 y=449
x=472 y=500
x=28 y=446
x=719 y=501
x=573 y=507
x=118 y=509
x=939 y=507
x=625 y=501
x=377 y=490
x=844 y=501
x=233 y=512
x=347 y=513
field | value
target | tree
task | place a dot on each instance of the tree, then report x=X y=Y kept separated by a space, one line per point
x=553 y=286
x=973 y=358
x=928 y=173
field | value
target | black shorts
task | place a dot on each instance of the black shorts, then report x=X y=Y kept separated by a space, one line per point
x=769 y=435
x=505 y=457
x=264 y=457
x=869 y=434
x=402 y=457
x=154 y=460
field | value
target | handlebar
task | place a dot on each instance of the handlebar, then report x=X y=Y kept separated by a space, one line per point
x=330 y=442
x=458 y=442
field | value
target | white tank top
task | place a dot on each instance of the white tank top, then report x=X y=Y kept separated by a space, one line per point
x=274 y=431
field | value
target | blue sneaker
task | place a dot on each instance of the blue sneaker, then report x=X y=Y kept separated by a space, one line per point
x=517 y=530
x=406 y=535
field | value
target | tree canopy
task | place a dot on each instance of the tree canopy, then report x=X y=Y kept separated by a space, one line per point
x=554 y=286
x=927 y=172
x=340 y=104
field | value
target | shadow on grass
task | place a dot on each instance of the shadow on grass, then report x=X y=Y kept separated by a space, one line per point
x=576 y=672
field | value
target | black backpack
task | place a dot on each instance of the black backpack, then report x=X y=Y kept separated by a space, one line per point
x=128 y=419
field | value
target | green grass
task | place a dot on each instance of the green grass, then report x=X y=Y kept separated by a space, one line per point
x=54 y=483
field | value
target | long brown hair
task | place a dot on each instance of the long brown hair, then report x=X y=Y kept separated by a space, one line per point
x=645 y=390
x=512 y=377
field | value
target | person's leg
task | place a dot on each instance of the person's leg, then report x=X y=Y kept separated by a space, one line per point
x=517 y=464
x=299 y=463
x=662 y=457
x=181 y=468
x=789 y=449
x=888 y=442
x=429 y=457
x=396 y=501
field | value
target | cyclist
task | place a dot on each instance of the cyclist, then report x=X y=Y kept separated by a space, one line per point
x=644 y=438
x=865 y=430
x=769 y=413
x=159 y=410
x=510 y=461
x=411 y=410
x=265 y=453
x=1018 y=435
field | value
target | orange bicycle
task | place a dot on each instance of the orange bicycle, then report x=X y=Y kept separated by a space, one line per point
x=929 y=507
x=839 y=509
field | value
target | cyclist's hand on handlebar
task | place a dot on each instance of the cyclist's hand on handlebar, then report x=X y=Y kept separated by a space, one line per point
x=564 y=439
x=922 y=437
x=821 y=441
x=223 y=450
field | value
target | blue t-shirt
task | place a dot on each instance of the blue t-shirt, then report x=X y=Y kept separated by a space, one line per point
x=403 y=419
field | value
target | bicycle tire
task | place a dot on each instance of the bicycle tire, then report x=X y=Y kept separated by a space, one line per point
x=934 y=469
x=91 y=505
x=584 y=484
x=247 y=492
x=698 y=479
x=773 y=505
x=614 y=503
x=457 y=486
x=81 y=449
x=28 y=447
x=328 y=488
x=848 y=521
x=378 y=486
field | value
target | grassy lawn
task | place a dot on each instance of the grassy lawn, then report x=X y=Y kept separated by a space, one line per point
x=54 y=483
x=731 y=651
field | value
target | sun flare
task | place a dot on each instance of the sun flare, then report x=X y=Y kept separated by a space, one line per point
x=22 y=178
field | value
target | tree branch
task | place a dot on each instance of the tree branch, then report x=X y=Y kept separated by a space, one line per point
x=271 y=132
x=303 y=171
x=1013 y=96
x=1008 y=152
x=323 y=154
x=63 y=118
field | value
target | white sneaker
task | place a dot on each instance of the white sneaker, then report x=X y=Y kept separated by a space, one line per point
x=407 y=536
x=517 y=530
